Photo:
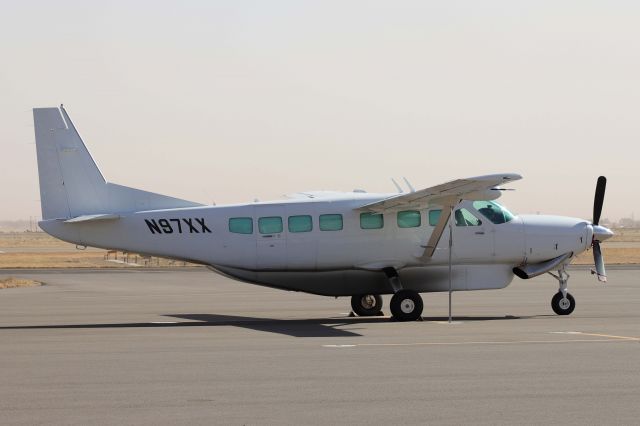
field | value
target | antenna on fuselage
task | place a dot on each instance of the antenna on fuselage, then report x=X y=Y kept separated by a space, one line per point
x=398 y=187
x=411 y=188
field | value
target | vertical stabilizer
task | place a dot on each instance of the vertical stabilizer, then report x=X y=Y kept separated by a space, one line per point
x=70 y=181
x=71 y=184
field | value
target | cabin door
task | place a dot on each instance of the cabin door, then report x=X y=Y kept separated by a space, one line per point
x=272 y=238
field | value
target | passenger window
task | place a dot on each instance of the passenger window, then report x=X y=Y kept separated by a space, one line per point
x=409 y=219
x=270 y=225
x=241 y=225
x=371 y=221
x=465 y=218
x=434 y=217
x=300 y=223
x=330 y=222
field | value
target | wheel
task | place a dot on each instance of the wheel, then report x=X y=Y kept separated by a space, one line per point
x=406 y=305
x=562 y=306
x=366 y=305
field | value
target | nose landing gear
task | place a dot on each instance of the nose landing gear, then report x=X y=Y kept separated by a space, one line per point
x=562 y=302
x=563 y=305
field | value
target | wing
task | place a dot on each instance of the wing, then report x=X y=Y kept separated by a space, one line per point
x=446 y=194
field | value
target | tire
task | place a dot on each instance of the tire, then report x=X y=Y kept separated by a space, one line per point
x=560 y=307
x=366 y=305
x=406 y=305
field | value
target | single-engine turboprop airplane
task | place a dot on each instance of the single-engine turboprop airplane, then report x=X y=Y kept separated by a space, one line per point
x=450 y=237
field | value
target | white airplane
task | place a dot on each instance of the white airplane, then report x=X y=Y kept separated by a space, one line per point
x=354 y=244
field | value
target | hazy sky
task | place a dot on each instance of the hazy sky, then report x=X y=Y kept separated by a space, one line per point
x=234 y=100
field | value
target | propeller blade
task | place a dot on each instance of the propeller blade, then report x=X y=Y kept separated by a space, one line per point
x=599 y=262
x=598 y=200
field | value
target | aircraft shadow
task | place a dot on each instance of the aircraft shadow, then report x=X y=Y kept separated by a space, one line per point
x=296 y=328
x=485 y=318
x=316 y=327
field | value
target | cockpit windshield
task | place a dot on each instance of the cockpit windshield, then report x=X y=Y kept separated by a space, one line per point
x=493 y=211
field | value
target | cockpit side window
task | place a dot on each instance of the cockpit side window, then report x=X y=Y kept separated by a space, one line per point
x=465 y=218
x=493 y=211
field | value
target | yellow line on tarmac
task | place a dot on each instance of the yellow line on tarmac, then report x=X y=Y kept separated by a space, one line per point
x=637 y=339
x=506 y=342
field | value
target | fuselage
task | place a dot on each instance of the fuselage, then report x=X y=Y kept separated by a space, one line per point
x=320 y=244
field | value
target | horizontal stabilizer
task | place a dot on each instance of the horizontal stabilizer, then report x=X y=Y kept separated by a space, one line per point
x=92 y=218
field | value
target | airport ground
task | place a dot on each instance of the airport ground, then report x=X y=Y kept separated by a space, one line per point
x=190 y=347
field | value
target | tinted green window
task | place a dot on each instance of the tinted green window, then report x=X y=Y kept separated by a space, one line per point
x=330 y=222
x=371 y=221
x=270 y=225
x=409 y=219
x=300 y=223
x=434 y=217
x=465 y=218
x=241 y=225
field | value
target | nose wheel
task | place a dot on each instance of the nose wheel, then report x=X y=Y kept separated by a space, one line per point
x=563 y=305
x=562 y=302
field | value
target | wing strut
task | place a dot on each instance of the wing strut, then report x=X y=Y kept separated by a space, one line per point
x=436 y=235
x=450 y=258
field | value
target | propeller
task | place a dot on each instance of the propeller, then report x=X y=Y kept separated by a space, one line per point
x=598 y=201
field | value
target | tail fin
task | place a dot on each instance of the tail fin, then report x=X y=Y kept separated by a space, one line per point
x=71 y=184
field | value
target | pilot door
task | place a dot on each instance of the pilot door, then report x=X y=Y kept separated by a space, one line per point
x=472 y=238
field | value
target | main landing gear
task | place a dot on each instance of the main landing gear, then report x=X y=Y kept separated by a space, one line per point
x=367 y=305
x=562 y=302
x=406 y=305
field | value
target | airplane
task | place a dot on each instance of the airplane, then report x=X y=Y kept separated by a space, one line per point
x=449 y=237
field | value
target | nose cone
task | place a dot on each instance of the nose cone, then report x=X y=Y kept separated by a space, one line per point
x=601 y=233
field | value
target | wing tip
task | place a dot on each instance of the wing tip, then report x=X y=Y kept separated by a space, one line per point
x=504 y=177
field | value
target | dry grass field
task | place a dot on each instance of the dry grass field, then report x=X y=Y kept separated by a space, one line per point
x=31 y=240
x=612 y=256
x=12 y=282
x=626 y=235
x=39 y=250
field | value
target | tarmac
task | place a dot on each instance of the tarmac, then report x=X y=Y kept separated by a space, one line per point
x=191 y=347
